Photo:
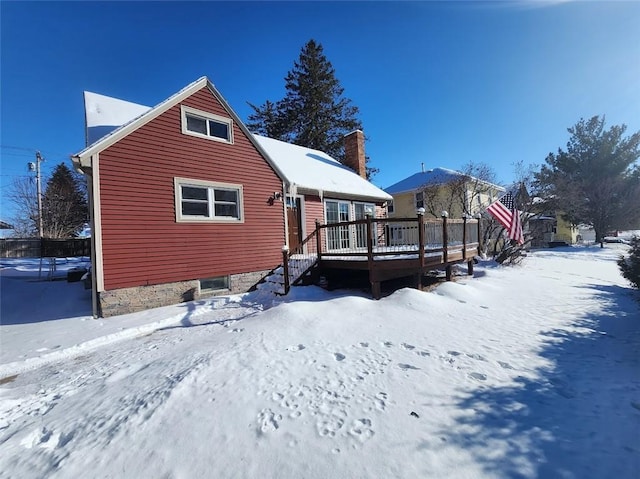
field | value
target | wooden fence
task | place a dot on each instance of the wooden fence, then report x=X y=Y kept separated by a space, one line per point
x=45 y=247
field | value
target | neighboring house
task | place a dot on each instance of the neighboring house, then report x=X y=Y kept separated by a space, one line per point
x=551 y=229
x=441 y=189
x=186 y=202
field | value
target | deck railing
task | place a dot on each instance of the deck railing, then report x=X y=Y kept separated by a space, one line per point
x=435 y=241
x=391 y=236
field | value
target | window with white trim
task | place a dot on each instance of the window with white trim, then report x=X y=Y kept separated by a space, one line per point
x=390 y=208
x=206 y=125
x=419 y=199
x=212 y=285
x=198 y=200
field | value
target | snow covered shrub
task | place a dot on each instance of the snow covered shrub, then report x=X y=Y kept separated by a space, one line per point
x=630 y=265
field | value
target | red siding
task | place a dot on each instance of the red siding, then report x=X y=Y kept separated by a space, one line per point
x=313 y=210
x=141 y=241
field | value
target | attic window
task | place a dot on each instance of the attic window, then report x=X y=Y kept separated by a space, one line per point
x=206 y=125
x=419 y=200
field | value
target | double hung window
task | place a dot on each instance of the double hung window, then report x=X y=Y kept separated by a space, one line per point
x=198 y=200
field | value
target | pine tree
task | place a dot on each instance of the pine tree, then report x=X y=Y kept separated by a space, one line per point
x=596 y=181
x=630 y=265
x=64 y=204
x=314 y=113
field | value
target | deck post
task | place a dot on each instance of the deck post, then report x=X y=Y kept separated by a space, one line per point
x=470 y=267
x=464 y=236
x=445 y=238
x=285 y=268
x=420 y=212
x=445 y=246
x=375 y=285
x=318 y=240
x=479 y=218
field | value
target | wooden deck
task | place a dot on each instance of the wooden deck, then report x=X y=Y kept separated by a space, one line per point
x=386 y=248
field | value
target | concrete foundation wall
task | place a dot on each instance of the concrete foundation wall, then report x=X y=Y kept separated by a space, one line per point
x=131 y=300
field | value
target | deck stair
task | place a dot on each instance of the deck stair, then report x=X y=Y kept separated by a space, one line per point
x=301 y=264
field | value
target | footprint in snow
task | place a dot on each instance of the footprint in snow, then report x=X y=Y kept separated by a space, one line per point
x=339 y=357
x=505 y=365
x=406 y=366
x=361 y=429
x=298 y=347
x=478 y=376
x=408 y=347
x=268 y=421
x=476 y=356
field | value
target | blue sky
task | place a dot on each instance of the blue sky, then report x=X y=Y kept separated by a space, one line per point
x=439 y=83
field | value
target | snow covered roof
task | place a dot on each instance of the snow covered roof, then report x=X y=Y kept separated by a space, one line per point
x=84 y=158
x=314 y=170
x=435 y=176
x=110 y=119
x=103 y=114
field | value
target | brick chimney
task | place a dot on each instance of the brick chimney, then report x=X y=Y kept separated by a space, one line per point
x=354 y=152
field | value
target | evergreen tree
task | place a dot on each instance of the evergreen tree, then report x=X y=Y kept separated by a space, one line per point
x=596 y=181
x=64 y=204
x=314 y=113
x=630 y=265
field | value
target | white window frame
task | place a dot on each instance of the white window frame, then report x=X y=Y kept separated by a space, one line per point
x=390 y=207
x=187 y=110
x=205 y=291
x=211 y=186
x=421 y=200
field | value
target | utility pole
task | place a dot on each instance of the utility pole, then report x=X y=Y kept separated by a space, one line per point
x=36 y=166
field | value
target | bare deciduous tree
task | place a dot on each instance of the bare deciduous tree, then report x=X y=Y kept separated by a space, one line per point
x=461 y=193
x=22 y=193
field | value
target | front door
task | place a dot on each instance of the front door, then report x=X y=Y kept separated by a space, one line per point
x=294 y=222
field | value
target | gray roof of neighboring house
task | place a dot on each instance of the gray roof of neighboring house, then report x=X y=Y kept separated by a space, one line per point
x=435 y=176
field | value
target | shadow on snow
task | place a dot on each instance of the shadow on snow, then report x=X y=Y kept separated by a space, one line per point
x=579 y=417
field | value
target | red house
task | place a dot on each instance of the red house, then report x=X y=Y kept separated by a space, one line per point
x=186 y=202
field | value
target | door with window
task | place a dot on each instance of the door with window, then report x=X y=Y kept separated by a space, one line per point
x=361 y=211
x=337 y=212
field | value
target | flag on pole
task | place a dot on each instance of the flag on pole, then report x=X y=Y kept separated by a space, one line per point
x=504 y=210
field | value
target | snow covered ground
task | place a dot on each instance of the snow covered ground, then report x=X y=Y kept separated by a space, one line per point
x=522 y=372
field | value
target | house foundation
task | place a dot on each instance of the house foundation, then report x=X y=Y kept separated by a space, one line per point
x=139 y=298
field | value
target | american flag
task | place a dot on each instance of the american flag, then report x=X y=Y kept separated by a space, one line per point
x=504 y=210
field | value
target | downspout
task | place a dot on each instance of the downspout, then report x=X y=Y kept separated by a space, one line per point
x=92 y=222
x=87 y=169
x=285 y=193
